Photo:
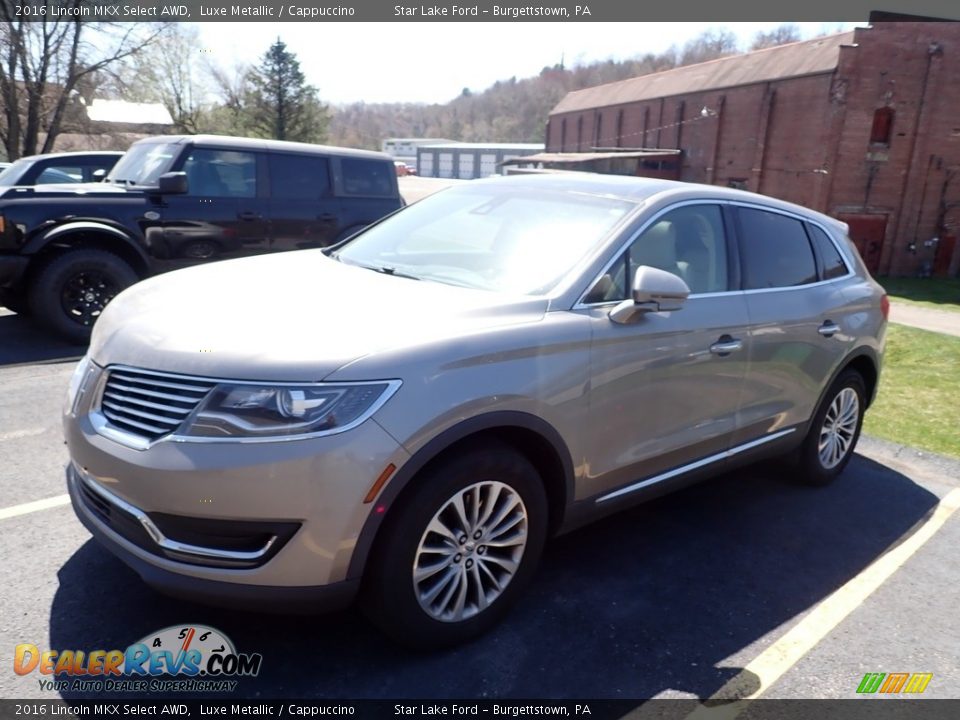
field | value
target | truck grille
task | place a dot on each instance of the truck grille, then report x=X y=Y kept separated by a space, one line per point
x=150 y=404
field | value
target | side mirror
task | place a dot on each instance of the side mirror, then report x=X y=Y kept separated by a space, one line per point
x=98 y=175
x=173 y=183
x=654 y=290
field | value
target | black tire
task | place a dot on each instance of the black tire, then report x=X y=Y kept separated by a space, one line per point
x=817 y=466
x=489 y=472
x=70 y=291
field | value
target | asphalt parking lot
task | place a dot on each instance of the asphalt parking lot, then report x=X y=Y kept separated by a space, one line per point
x=725 y=588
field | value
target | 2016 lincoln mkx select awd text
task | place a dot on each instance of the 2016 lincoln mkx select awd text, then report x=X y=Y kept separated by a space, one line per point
x=409 y=415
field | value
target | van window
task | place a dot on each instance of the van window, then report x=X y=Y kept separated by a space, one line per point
x=367 y=177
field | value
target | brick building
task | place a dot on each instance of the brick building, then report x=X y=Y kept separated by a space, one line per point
x=863 y=125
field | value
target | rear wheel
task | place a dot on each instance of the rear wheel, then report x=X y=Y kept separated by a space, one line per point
x=834 y=431
x=460 y=549
x=70 y=292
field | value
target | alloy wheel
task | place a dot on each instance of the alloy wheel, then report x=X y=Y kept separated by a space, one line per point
x=839 y=428
x=470 y=551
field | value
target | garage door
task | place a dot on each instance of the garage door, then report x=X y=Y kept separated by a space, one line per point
x=445 y=166
x=425 y=164
x=465 y=171
x=488 y=164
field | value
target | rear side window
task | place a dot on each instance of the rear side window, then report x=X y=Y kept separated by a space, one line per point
x=774 y=250
x=299 y=177
x=833 y=264
x=367 y=177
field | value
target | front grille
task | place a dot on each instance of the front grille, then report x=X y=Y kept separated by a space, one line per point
x=150 y=404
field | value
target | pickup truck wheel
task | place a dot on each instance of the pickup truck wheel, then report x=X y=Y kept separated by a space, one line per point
x=459 y=550
x=70 y=292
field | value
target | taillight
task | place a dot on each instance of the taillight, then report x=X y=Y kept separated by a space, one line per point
x=885 y=307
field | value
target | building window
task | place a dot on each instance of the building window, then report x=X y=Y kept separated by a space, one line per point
x=882 y=126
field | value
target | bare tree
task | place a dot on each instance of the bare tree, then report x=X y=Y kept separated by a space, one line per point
x=709 y=45
x=42 y=61
x=786 y=33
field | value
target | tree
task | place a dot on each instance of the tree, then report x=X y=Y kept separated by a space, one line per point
x=170 y=72
x=280 y=104
x=709 y=45
x=43 y=63
x=786 y=33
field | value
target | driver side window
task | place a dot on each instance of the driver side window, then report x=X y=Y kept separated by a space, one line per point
x=688 y=242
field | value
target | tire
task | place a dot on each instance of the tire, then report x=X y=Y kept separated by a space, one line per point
x=70 y=291
x=427 y=610
x=834 y=431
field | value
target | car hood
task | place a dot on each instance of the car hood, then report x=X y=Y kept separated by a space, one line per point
x=296 y=316
x=68 y=190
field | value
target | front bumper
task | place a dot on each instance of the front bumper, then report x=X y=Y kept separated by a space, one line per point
x=238 y=524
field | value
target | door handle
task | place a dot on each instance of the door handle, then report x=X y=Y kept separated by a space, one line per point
x=726 y=345
x=829 y=328
x=249 y=215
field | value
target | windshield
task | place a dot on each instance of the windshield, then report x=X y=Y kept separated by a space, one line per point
x=143 y=164
x=10 y=175
x=489 y=237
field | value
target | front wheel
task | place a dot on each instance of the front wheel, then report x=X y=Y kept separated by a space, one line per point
x=834 y=430
x=70 y=292
x=460 y=549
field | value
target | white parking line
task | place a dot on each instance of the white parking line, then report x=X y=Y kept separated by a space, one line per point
x=773 y=662
x=14 y=434
x=34 y=506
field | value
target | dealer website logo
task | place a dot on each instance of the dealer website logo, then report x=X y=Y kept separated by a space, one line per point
x=894 y=683
x=191 y=658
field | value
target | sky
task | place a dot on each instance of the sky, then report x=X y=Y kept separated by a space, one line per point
x=433 y=62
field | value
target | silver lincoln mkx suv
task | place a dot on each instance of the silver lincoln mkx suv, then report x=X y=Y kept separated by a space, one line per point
x=409 y=415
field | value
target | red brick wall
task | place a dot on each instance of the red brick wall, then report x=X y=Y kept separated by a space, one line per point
x=807 y=139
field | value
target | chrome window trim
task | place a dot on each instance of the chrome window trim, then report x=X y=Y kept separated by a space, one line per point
x=581 y=305
x=161 y=540
x=693 y=466
x=103 y=427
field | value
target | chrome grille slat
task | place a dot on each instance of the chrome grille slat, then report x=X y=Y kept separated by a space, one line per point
x=139 y=402
x=150 y=404
x=152 y=380
x=167 y=421
x=154 y=393
x=123 y=422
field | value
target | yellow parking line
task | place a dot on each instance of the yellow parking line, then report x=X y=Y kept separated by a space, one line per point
x=773 y=662
x=34 y=506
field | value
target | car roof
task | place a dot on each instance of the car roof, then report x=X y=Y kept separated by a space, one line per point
x=642 y=190
x=235 y=143
x=75 y=153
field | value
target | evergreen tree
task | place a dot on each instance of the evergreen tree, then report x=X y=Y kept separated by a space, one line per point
x=280 y=103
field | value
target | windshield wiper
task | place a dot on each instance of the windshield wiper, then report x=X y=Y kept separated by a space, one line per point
x=383 y=269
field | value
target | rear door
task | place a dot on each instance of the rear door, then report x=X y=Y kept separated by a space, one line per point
x=304 y=212
x=367 y=190
x=800 y=330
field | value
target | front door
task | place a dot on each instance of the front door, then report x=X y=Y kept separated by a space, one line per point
x=666 y=387
x=223 y=214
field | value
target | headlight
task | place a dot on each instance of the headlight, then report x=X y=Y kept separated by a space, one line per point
x=76 y=380
x=269 y=411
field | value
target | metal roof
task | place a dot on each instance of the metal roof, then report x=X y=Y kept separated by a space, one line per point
x=578 y=157
x=810 y=57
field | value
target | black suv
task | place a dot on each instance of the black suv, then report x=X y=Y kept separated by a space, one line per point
x=173 y=201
